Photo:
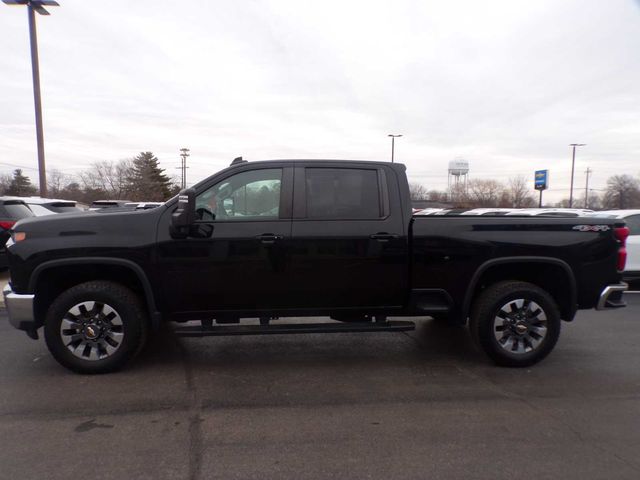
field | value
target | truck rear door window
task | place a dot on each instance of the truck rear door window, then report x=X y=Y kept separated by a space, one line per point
x=342 y=193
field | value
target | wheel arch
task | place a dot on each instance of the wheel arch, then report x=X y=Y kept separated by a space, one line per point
x=506 y=268
x=69 y=272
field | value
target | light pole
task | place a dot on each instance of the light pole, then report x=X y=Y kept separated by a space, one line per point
x=32 y=7
x=588 y=171
x=573 y=164
x=393 y=144
x=184 y=154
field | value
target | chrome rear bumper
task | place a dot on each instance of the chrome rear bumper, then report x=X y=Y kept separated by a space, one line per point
x=611 y=297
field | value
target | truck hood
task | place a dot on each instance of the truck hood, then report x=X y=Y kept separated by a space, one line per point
x=124 y=223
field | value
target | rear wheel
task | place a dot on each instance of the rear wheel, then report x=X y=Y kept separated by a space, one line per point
x=95 y=327
x=516 y=324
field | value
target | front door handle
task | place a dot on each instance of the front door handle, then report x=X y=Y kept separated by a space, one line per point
x=268 y=238
x=384 y=236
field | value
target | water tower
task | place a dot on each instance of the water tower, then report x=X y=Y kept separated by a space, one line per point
x=458 y=176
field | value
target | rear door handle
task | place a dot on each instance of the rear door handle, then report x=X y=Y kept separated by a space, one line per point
x=383 y=236
x=268 y=238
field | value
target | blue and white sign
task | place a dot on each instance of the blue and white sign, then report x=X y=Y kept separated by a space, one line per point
x=541 y=180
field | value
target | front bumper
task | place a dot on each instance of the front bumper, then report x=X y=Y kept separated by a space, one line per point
x=19 y=309
x=611 y=297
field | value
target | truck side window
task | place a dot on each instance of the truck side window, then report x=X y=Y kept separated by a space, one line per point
x=249 y=195
x=342 y=193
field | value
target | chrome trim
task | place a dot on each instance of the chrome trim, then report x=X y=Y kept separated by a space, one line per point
x=608 y=290
x=19 y=309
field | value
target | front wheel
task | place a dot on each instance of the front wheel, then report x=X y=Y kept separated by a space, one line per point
x=95 y=327
x=515 y=323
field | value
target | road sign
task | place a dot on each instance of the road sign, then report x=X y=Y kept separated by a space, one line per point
x=541 y=180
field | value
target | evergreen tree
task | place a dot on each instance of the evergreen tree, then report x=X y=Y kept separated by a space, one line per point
x=147 y=181
x=20 y=185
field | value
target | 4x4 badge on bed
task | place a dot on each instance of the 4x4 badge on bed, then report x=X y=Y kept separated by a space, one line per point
x=592 y=228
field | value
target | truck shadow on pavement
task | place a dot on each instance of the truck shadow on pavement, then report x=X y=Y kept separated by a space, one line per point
x=432 y=341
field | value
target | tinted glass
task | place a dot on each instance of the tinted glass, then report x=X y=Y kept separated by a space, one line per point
x=633 y=222
x=252 y=195
x=40 y=211
x=16 y=210
x=65 y=209
x=558 y=214
x=342 y=193
x=109 y=203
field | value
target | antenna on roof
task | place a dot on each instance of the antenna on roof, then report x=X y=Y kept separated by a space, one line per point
x=238 y=160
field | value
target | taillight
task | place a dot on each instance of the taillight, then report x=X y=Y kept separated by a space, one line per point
x=7 y=225
x=621 y=234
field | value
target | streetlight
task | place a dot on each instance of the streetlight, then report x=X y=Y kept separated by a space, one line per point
x=573 y=164
x=36 y=6
x=393 y=144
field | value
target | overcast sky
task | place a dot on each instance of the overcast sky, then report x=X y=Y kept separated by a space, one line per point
x=504 y=84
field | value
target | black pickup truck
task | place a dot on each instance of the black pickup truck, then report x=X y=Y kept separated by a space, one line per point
x=274 y=239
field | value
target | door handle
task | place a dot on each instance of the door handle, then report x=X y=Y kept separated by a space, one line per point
x=383 y=236
x=268 y=238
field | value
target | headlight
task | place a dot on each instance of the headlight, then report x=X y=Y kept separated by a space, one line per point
x=17 y=237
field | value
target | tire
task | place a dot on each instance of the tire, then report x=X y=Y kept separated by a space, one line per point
x=516 y=324
x=96 y=327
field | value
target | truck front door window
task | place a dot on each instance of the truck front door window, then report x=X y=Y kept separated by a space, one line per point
x=245 y=196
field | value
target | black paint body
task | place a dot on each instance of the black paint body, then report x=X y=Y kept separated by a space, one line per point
x=397 y=264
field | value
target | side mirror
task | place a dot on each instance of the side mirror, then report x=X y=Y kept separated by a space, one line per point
x=184 y=215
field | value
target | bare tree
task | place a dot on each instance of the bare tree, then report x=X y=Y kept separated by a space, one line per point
x=109 y=177
x=458 y=194
x=5 y=182
x=417 y=191
x=518 y=193
x=593 y=201
x=484 y=193
x=57 y=181
x=437 y=196
x=623 y=191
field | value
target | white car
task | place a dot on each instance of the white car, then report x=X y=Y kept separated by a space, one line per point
x=143 y=205
x=552 y=212
x=428 y=211
x=49 y=206
x=632 y=218
x=488 y=211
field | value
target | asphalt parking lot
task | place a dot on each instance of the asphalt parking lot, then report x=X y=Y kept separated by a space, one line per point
x=377 y=405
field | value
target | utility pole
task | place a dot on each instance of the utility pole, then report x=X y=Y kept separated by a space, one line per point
x=573 y=164
x=393 y=144
x=32 y=7
x=588 y=171
x=184 y=154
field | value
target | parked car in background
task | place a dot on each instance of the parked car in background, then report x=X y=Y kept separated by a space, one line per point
x=552 y=212
x=99 y=204
x=632 y=218
x=428 y=211
x=143 y=205
x=11 y=210
x=49 y=206
x=488 y=211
